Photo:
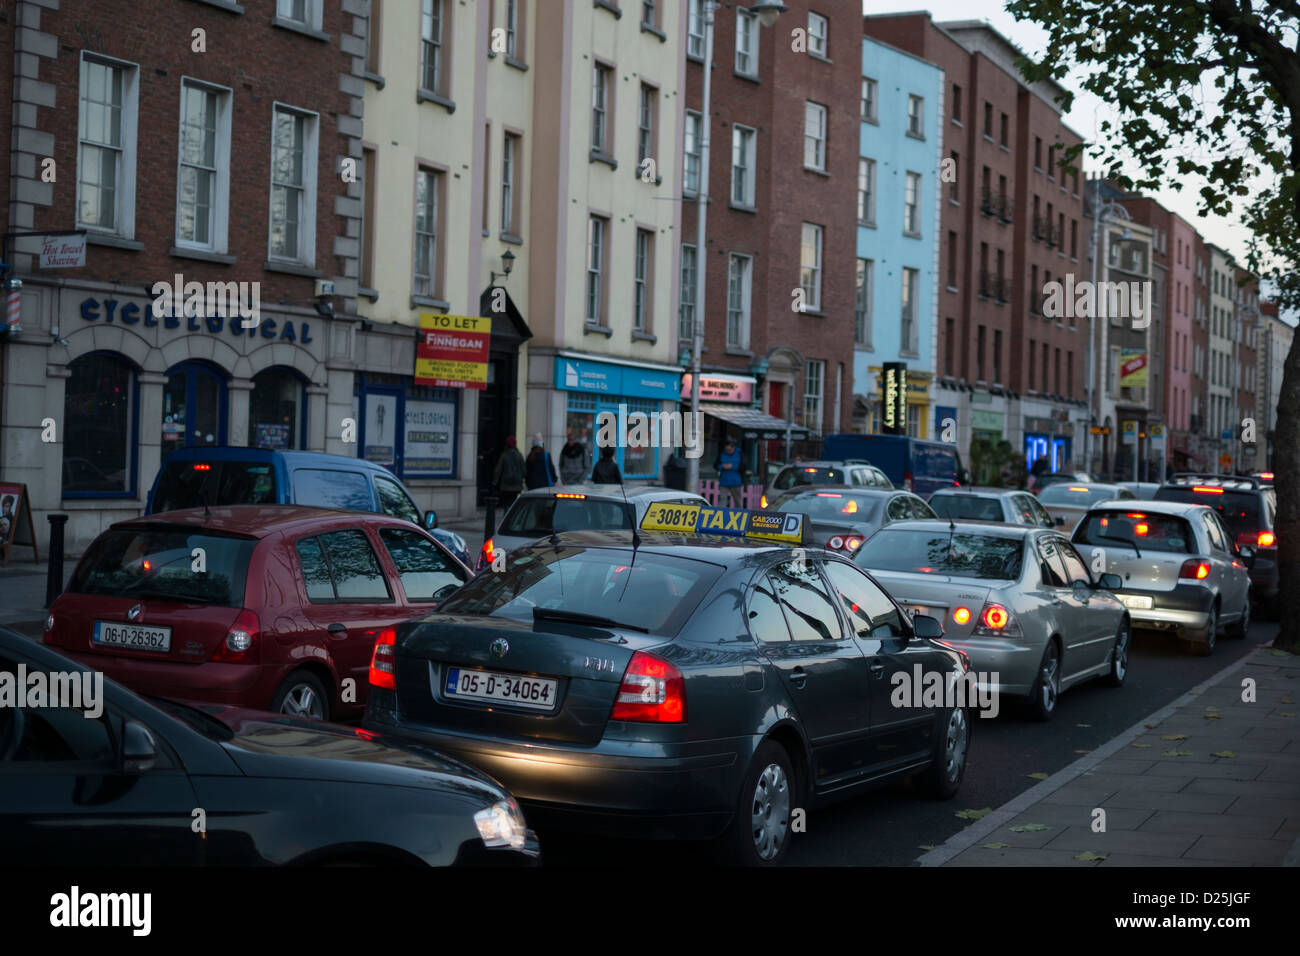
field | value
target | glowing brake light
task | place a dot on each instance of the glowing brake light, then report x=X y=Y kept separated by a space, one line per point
x=1140 y=529
x=995 y=616
x=1194 y=570
x=202 y=467
x=829 y=494
x=383 y=660
x=1134 y=514
x=1206 y=490
x=652 y=691
x=762 y=501
x=568 y=495
x=853 y=543
x=961 y=615
x=1077 y=488
x=1267 y=539
x=488 y=553
x=850 y=507
x=811 y=471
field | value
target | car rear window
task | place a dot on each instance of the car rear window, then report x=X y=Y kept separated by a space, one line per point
x=191 y=484
x=967 y=506
x=942 y=552
x=532 y=517
x=167 y=563
x=653 y=592
x=1239 y=510
x=831 y=506
x=1150 y=532
x=808 y=475
x=1076 y=495
x=332 y=488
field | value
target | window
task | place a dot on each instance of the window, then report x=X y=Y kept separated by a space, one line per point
x=1051 y=163
x=817 y=34
x=952 y=258
x=1074 y=239
x=106 y=126
x=867 y=191
x=979 y=354
x=648 y=14
x=997 y=356
x=953 y=194
x=304 y=12
x=369 y=178
x=862 y=300
x=695 y=29
x=645 y=126
x=810 y=267
x=869 y=98
x=293 y=185
x=907 y=327
x=912 y=205
x=600 y=75
x=686 y=311
x=746 y=43
x=949 y=338
x=644 y=268
x=203 y=180
x=956 y=104
x=431 y=52
x=487 y=164
x=512 y=29
x=988 y=120
x=99 y=402
x=815 y=375
x=809 y=613
x=738 y=301
x=425 y=572
x=814 y=136
x=275 y=409
x=510 y=194
x=766 y=622
x=342 y=566
x=56 y=742
x=742 y=166
x=394 y=501
x=373 y=32
x=1006 y=130
x=1038 y=153
x=691 y=165
x=428 y=187
x=1033 y=348
x=915 y=116
x=869 y=610
x=332 y=488
x=595 y=270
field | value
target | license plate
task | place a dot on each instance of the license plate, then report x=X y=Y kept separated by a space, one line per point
x=136 y=637
x=537 y=693
x=1139 y=602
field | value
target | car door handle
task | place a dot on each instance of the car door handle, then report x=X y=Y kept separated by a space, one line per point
x=798 y=677
x=877 y=667
x=337 y=630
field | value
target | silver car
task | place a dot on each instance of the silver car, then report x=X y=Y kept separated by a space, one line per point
x=1018 y=600
x=1182 y=571
x=843 y=517
x=1003 y=505
x=1067 y=501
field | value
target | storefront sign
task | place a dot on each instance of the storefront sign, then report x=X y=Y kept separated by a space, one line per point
x=452 y=351
x=381 y=429
x=273 y=436
x=720 y=388
x=430 y=433
x=63 y=252
x=893 y=390
x=627 y=381
x=136 y=313
x=1133 y=369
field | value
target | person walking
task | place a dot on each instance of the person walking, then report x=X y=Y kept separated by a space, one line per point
x=508 y=475
x=575 y=461
x=539 y=470
x=606 y=471
x=730 y=471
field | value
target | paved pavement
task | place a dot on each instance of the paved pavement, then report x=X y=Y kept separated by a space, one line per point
x=1213 y=779
x=22 y=592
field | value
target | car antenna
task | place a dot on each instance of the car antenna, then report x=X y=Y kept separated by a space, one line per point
x=636 y=538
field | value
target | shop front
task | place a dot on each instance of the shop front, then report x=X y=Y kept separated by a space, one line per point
x=872 y=412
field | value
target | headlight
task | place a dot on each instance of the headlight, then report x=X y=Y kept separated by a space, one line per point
x=502 y=824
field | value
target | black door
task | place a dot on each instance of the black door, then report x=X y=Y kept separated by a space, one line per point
x=496 y=416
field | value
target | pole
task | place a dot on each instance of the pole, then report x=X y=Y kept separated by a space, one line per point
x=54 y=571
x=701 y=256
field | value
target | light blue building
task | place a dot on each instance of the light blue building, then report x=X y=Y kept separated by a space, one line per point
x=900 y=167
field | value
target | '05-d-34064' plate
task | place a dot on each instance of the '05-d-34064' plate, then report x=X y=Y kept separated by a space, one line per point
x=136 y=637
x=537 y=693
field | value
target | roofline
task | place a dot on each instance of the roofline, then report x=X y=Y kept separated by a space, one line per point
x=866 y=38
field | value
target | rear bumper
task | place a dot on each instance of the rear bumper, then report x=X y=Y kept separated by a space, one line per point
x=639 y=790
x=1003 y=666
x=236 y=685
x=1264 y=576
x=1185 y=609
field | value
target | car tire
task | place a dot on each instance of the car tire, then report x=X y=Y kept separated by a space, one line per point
x=759 y=834
x=1239 y=630
x=1119 y=655
x=1046 y=692
x=302 y=694
x=942 y=779
x=1206 y=647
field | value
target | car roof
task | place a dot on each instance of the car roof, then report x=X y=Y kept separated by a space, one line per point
x=259 y=521
x=1090 y=485
x=801 y=491
x=981 y=492
x=612 y=492
x=964 y=526
x=1179 y=508
x=719 y=549
x=291 y=459
x=831 y=463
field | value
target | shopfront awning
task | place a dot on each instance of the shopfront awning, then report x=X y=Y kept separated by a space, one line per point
x=752 y=422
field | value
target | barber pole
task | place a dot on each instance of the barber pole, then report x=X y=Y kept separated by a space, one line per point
x=14 y=309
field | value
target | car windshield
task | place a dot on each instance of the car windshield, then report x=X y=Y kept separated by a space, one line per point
x=650 y=592
x=1150 y=532
x=537 y=515
x=832 y=506
x=972 y=507
x=939 y=552
x=1077 y=495
x=189 y=565
x=1238 y=509
x=191 y=484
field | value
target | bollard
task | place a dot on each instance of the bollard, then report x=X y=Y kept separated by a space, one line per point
x=54 y=574
x=490 y=520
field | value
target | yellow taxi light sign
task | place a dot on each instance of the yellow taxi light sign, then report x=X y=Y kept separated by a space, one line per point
x=781 y=526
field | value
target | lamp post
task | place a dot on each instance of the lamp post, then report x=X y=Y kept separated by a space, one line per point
x=507 y=263
x=767 y=11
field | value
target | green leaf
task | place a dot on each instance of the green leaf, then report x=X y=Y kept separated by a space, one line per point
x=974 y=814
x=1036 y=776
x=995 y=846
x=1177 y=753
x=1173 y=736
x=1030 y=828
x=1089 y=856
x=1223 y=753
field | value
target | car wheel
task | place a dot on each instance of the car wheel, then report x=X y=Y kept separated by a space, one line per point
x=943 y=777
x=302 y=695
x=1047 y=685
x=759 y=834
x=1206 y=647
x=1119 y=655
x=1238 y=631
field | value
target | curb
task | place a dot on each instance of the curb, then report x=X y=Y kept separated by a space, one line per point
x=977 y=831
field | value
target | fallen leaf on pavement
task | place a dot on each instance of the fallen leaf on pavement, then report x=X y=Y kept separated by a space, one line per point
x=1140 y=746
x=1212 y=716
x=974 y=814
x=995 y=846
x=1287 y=700
x=1090 y=856
x=925 y=846
x=1211 y=710
x=1030 y=828
x=1177 y=753
x=1173 y=736
x=1223 y=753
x=1036 y=776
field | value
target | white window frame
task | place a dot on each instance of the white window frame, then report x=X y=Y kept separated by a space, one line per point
x=433 y=278
x=124 y=188
x=870 y=104
x=646 y=109
x=916 y=115
x=739 y=308
x=863 y=305
x=817 y=42
x=600 y=75
x=643 y=252
x=695 y=29
x=312 y=17
x=432 y=46
x=219 y=207
x=867 y=189
x=814 y=137
x=597 y=243
x=745 y=140
x=512 y=29
x=746 y=42
x=686 y=304
x=509 y=175
x=307 y=219
x=912 y=204
x=810 y=272
x=694 y=132
x=813 y=392
x=907 y=313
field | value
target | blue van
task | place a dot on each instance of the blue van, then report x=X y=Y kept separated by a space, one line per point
x=218 y=475
x=922 y=467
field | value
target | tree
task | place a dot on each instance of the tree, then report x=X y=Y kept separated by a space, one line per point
x=1207 y=92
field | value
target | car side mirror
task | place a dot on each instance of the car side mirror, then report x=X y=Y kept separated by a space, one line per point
x=926 y=627
x=1110 y=582
x=431 y=519
x=139 y=749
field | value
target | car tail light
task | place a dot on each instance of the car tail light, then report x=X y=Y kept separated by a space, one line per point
x=569 y=495
x=996 y=621
x=1141 y=529
x=1206 y=490
x=200 y=466
x=961 y=615
x=835 y=543
x=1265 y=539
x=762 y=502
x=488 y=554
x=383 y=660
x=995 y=617
x=907 y=481
x=829 y=494
x=1194 y=569
x=652 y=691
x=241 y=642
x=852 y=542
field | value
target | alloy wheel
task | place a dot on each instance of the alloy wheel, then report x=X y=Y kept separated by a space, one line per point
x=957 y=743
x=771 y=811
x=1049 y=679
x=302 y=701
x=1121 y=652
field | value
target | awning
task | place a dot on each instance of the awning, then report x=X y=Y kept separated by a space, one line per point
x=752 y=422
x=1187 y=454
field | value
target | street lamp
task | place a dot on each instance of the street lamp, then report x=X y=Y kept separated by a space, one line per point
x=767 y=12
x=507 y=263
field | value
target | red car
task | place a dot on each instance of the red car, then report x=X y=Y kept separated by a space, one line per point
x=270 y=607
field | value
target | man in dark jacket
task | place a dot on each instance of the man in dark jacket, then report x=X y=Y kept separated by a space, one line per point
x=575 y=461
x=539 y=470
x=730 y=468
x=508 y=475
x=606 y=471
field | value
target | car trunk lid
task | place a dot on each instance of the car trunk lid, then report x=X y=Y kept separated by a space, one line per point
x=938 y=596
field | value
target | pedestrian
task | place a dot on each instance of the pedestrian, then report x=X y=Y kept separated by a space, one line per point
x=508 y=476
x=675 y=472
x=575 y=461
x=539 y=469
x=606 y=471
x=730 y=471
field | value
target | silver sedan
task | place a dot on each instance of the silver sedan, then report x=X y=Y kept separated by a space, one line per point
x=1019 y=600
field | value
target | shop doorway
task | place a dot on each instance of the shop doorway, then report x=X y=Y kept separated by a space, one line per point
x=496 y=417
x=194 y=407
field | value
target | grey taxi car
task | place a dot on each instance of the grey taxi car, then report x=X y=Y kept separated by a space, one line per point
x=1003 y=505
x=1182 y=571
x=1067 y=502
x=843 y=517
x=1018 y=600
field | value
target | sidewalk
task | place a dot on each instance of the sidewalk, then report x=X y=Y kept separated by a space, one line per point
x=22 y=592
x=1209 y=780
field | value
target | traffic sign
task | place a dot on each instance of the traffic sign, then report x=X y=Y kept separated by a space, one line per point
x=1129 y=433
x=1225 y=460
x=1156 y=433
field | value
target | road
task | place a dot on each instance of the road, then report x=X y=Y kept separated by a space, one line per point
x=890 y=827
